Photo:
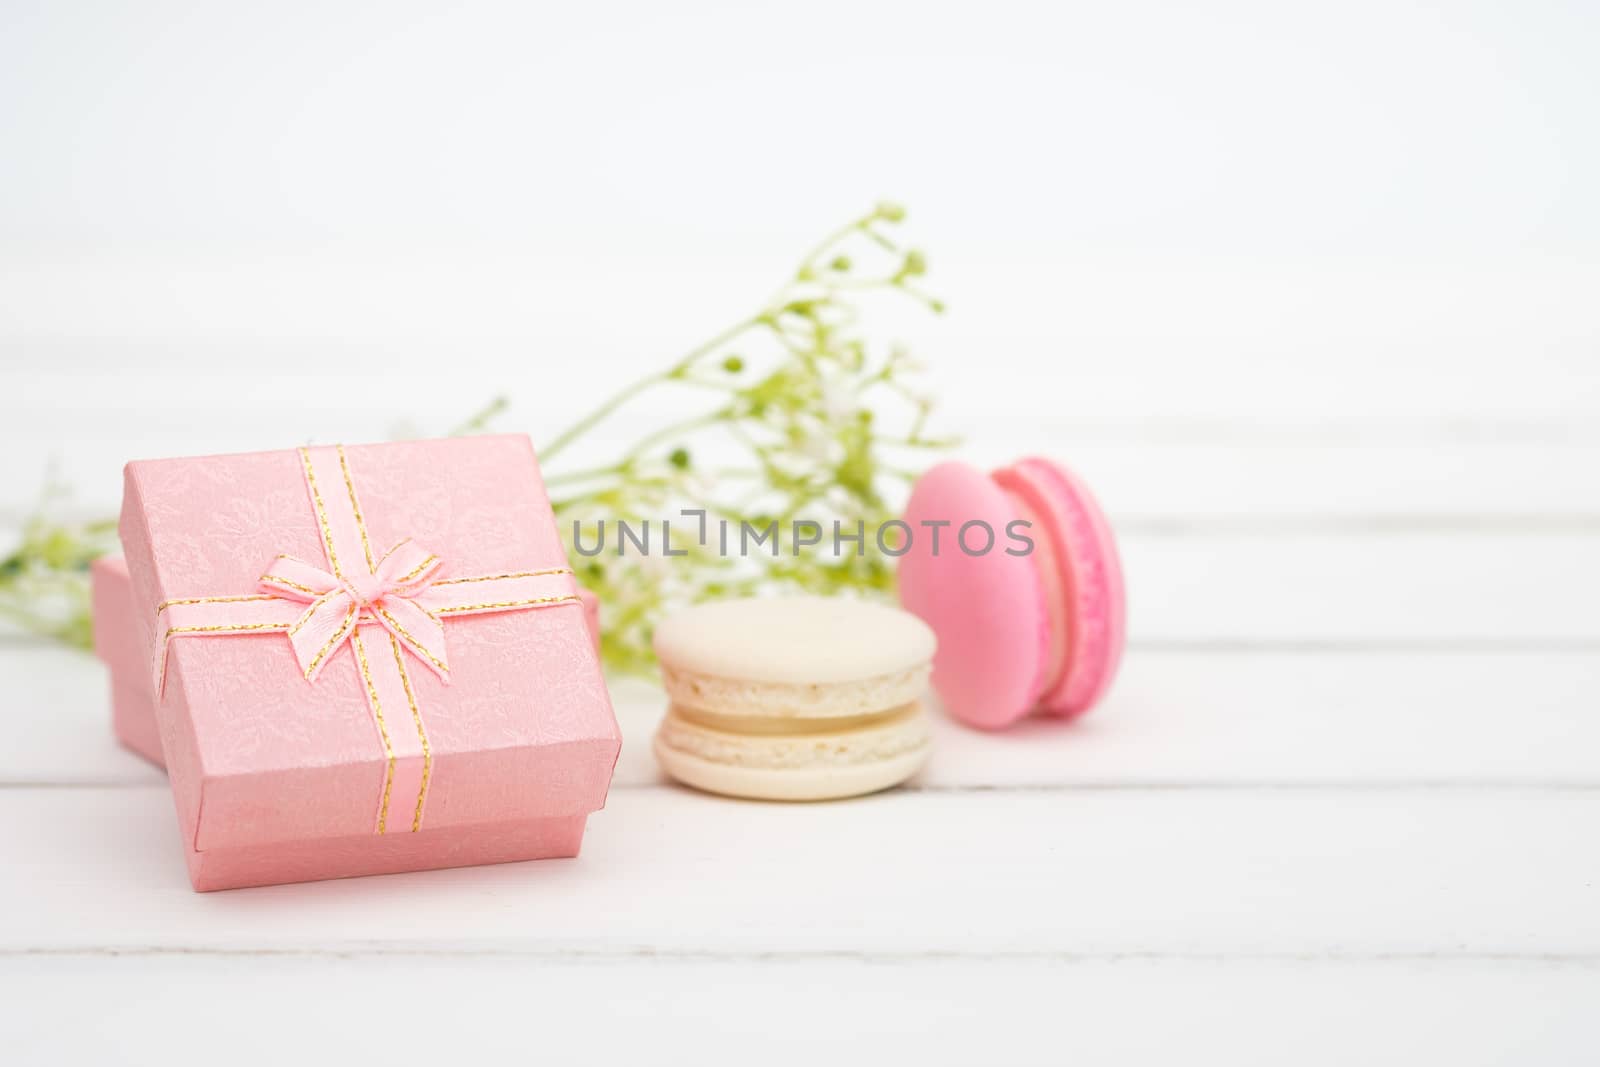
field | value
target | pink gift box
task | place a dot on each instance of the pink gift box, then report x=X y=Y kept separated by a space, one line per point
x=362 y=660
x=116 y=643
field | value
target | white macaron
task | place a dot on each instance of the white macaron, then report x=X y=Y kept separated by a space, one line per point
x=794 y=698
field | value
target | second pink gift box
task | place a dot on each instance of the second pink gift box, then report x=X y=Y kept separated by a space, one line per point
x=363 y=660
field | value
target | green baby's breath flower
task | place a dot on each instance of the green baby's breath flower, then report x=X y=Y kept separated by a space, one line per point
x=807 y=432
x=44 y=583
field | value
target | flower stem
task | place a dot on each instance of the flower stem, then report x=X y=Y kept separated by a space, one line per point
x=627 y=393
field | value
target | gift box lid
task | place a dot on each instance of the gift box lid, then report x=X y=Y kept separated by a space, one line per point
x=369 y=639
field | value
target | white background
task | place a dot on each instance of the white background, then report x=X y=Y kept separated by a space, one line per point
x=1307 y=292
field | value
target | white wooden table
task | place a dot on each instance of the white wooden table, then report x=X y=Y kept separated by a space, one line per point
x=1307 y=293
x=1341 y=806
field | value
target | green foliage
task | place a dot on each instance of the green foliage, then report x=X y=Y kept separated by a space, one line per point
x=44 y=583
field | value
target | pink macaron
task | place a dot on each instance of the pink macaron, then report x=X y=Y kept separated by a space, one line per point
x=1017 y=574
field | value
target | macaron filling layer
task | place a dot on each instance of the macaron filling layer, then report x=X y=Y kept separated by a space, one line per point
x=1083 y=579
x=766 y=726
x=739 y=742
x=1048 y=563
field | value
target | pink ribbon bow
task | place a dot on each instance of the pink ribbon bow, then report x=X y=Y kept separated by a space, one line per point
x=394 y=596
x=400 y=599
